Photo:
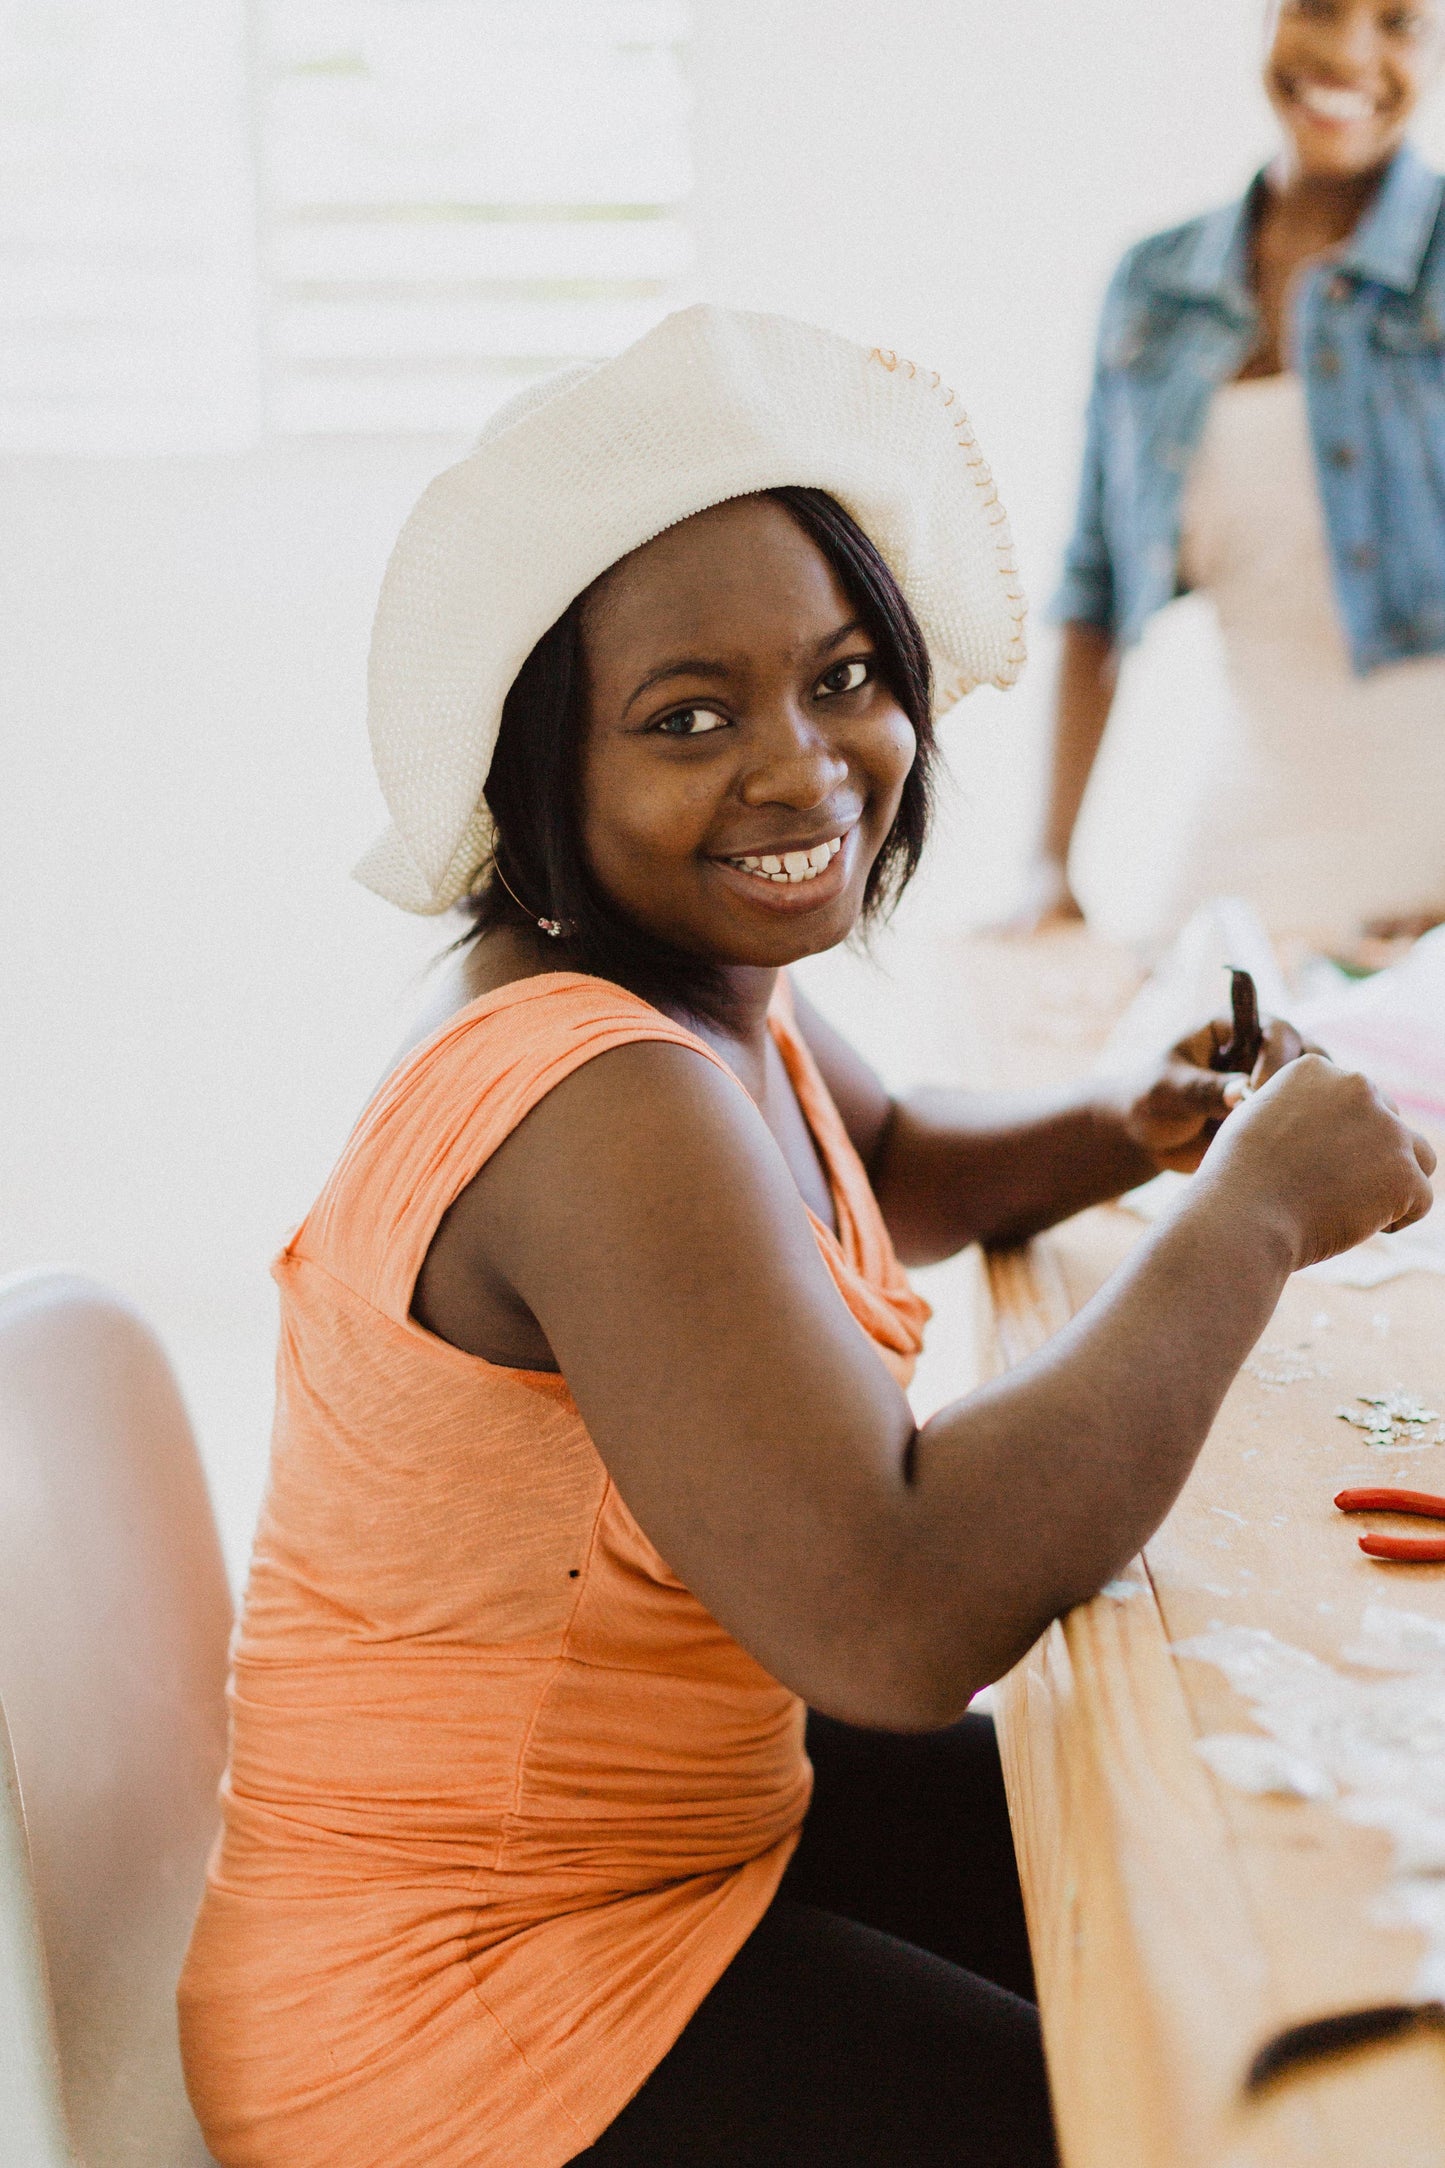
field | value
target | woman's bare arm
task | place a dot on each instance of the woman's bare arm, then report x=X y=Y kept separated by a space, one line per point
x=1083 y=697
x=953 y=1167
x=961 y=1167
x=645 y=1217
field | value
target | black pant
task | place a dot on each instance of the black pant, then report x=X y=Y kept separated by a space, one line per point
x=880 y=2015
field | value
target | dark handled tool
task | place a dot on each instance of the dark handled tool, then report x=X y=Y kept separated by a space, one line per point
x=1241 y=1049
x=1321 y=2036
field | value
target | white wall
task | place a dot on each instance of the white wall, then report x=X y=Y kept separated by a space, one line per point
x=955 y=179
x=194 y=999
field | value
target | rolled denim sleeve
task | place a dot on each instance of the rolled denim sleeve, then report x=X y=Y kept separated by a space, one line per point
x=1085 y=595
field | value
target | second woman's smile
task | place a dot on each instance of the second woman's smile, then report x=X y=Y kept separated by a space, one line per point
x=1344 y=77
x=1334 y=104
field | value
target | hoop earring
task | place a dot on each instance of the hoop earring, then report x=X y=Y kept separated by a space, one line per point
x=557 y=929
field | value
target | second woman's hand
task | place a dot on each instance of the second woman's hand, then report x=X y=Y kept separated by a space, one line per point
x=1045 y=903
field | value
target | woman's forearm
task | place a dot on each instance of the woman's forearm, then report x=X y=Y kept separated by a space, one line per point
x=1017 y=1503
x=1080 y=1452
x=1088 y=673
x=958 y=1167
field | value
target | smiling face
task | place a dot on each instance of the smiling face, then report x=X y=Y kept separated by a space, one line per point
x=743 y=760
x=1345 y=77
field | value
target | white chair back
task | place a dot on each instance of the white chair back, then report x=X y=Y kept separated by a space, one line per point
x=32 y=2114
x=114 y=1622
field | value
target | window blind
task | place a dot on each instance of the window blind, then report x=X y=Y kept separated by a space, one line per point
x=332 y=215
x=458 y=195
x=128 y=300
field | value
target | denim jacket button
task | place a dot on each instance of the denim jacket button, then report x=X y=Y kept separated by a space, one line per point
x=1342 y=455
x=1364 y=556
x=1327 y=362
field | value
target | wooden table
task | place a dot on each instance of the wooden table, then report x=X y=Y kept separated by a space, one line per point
x=1178 y=1923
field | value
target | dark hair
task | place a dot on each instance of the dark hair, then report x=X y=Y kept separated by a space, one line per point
x=532 y=790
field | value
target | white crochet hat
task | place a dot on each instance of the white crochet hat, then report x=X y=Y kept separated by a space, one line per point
x=581 y=469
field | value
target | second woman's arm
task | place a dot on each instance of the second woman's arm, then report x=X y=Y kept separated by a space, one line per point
x=1083 y=698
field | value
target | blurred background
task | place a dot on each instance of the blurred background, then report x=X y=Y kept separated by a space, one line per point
x=263 y=271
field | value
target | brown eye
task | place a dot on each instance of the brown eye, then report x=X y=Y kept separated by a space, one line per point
x=844 y=677
x=690 y=723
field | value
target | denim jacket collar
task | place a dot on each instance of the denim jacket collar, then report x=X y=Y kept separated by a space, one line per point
x=1390 y=241
x=1216 y=265
x=1387 y=246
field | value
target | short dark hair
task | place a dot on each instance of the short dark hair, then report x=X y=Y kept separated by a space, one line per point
x=533 y=789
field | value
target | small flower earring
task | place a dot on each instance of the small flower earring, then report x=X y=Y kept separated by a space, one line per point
x=557 y=929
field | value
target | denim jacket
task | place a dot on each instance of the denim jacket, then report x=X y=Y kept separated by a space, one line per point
x=1369 y=342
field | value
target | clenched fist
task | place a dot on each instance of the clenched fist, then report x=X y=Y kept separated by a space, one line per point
x=1325 y=1148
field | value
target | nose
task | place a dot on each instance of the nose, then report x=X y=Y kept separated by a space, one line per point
x=1352 y=42
x=795 y=763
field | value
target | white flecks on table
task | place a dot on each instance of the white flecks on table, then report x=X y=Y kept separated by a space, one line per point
x=1394 y=1422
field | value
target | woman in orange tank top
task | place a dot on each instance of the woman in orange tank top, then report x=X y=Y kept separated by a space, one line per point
x=592 y=1465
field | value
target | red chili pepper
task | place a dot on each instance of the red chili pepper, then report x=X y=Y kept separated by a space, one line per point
x=1392 y=1501
x=1408 y=1550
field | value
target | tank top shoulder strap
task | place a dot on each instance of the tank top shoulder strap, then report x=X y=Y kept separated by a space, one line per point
x=861 y=1234
x=447 y=1107
x=870 y=1278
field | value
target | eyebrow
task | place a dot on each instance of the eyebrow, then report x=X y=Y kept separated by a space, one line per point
x=703 y=666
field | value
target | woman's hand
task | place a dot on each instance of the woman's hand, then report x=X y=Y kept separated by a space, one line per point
x=1174 y=1114
x=1326 y=1150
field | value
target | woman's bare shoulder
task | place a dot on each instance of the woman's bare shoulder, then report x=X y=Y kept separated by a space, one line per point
x=644 y=1222
x=610 y=1151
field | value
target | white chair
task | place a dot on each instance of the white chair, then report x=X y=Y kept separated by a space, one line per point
x=114 y=1621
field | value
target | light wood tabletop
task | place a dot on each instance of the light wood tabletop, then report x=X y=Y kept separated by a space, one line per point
x=1178 y=1923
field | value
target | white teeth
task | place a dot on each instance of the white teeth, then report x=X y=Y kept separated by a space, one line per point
x=1331 y=104
x=793 y=866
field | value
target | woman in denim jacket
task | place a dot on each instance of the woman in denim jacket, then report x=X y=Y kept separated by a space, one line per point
x=1267 y=423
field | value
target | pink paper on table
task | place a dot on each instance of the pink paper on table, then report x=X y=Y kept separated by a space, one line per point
x=1392 y=1026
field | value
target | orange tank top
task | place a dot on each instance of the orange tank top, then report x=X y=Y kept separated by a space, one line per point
x=503 y=1799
